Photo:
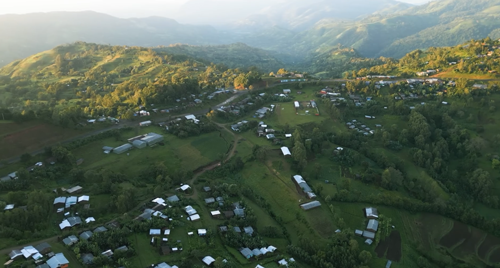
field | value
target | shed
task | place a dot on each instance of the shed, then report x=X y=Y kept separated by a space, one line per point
x=310 y=205
x=83 y=198
x=202 y=232
x=287 y=91
x=29 y=251
x=215 y=213
x=296 y=104
x=286 y=151
x=372 y=225
x=368 y=241
x=123 y=148
x=74 y=189
x=9 y=207
x=358 y=232
x=166 y=232
x=207 y=189
x=139 y=144
x=122 y=248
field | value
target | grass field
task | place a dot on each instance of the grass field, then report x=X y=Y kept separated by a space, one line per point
x=19 y=138
x=187 y=154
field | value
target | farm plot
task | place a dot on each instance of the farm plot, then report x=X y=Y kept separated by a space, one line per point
x=391 y=245
x=469 y=246
x=489 y=243
x=456 y=236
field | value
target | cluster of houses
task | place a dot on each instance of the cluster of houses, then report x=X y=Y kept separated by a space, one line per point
x=426 y=73
x=371 y=227
x=256 y=252
x=41 y=254
x=238 y=126
x=306 y=190
x=361 y=128
x=237 y=107
x=103 y=119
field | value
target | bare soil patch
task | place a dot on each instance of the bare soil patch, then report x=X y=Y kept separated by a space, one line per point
x=391 y=245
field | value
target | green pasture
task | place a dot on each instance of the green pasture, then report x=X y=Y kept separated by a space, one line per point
x=188 y=154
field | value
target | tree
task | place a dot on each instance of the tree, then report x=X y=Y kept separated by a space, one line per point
x=392 y=178
x=480 y=184
x=299 y=155
x=282 y=71
x=495 y=163
x=26 y=157
x=365 y=257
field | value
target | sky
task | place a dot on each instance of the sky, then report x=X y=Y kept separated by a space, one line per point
x=180 y=10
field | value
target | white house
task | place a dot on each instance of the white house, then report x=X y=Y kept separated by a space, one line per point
x=286 y=151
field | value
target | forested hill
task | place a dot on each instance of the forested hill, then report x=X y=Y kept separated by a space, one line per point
x=477 y=59
x=81 y=80
x=236 y=55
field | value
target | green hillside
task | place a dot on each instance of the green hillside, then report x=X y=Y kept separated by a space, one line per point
x=83 y=80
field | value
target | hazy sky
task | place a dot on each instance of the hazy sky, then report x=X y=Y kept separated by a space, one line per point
x=119 y=8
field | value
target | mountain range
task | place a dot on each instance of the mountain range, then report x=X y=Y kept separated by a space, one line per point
x=291 y=32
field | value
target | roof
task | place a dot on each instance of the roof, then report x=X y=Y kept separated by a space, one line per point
x=87 y=258
x=310 y=205
x=209 y=200
x=190 y=210
x=15 y=253
x=288 y=135
x=100 y=229
x=248 y=230
x=154 y=232
x=83 y=198
x=202 y=231
x=372 y=225
x=388 y=264
x=60 y=200
x=74 y=221
x=28 y=251
x=194 y=217
x=246 y=252
x=190 y=117
x=86 y=235
x=43 y=246
x=271 y=248
x=9 y=207
x=64 y=224
x=259 y=266
x=74 y=189
x=371 y=212
x=368 y=234
x=285 y=151
x=206 y=189
x=173 y=198
x=239 y=212
x=256 y=252
x=70 y=240
x=215 y=212
x=57 y=260
x=237 y=229
x=208 y=260
x=185 y=187
x=122 y=248
x=70 y=201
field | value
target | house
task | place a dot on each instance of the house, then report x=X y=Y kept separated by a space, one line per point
x=100 y=229
x=247 y=253
x=145 y=123
x=71 y=201
x=146 y=215
x=122 y=148
x=270 y=136
x=301 y=183
x=108 y=253
x=9 y=207
x=202 y=232
x=43 y=248
x=83 y=198
x=194 y=217
x=239 y=212
x=139 y=144
x=154 y=232
x=89 y=219
x=207 y=189
x=287 y=91
x=371 y=213
x=223 y=229
x=264 y=250
x=368 y=241
x=286 y=151
x=215 y=213
x=58 y=261
x=368 y=234
x=209 y=200
x=256 y=252
x=310 y=205
x=208 y=260
x=86 y=235
x=173 y=199
x=372 y=225
x=358 y=232
x=87 y=258
x=73 y=221
x=190 y=210
x=248 y=230
x=15 y=254
x=197 y=101
x=237 y=229
x=184 y=187
x=60 y=201
x=70 y=240
x=296 y=104
x=271 y=249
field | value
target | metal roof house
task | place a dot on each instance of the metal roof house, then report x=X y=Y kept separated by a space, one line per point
x=43 y=248
x=372 y=225
x=248 y=230
x=58 y=261
x=310 y=205
x=173 y=198
x=71 y=201
x=286 y=151
x=239 y=212
x=152 y=139
x=246 y=252
x=15 y=254
x=87 y=258
x=100 y=229
x=139 y=144
x=208 y=260
x=86 y=235
x=301 y=183
x=123 y=148
x=371 y=213
x=368 y=234
x=70 y=240
x=59 y=200
x=145 y=123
